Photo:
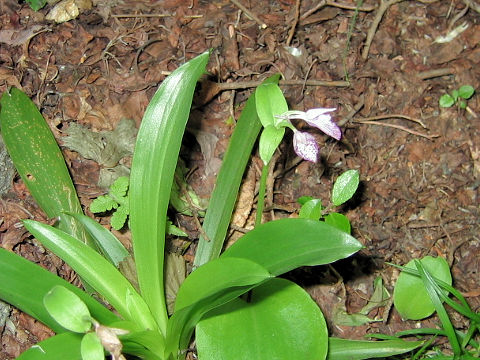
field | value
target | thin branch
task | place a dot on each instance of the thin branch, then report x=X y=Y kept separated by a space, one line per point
x=413 y=132
x=384 y=5
x=294 y=25
x=435 y=73
x=254 y=83
x=140 y=15
x=400 y=116
x=249 y=13
x=324 y=3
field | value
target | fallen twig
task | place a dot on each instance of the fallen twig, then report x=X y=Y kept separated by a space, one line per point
x=384 y=5
x=294 y=25
x=413 y=132
x=140 y=15
x=435 y=73
x=324 y=3
x=400 y=116
x=255 y=83
x=249 y=14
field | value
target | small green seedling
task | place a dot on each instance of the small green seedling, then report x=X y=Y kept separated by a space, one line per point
x=458 y=97
x=343 y=190
x=117 y=200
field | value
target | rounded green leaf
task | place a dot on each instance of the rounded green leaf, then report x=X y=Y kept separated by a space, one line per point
x=312 y=209
x=345 y=186
x=278 y=321
x=466 y=91
x=269 y=101
x=410 y=296
x=340 y=221
x=270 y=138
x=446 y=101
x=67 y=309
x=91 y=347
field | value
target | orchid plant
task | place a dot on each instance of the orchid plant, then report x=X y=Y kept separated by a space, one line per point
x=272 y=110
x=229 y=295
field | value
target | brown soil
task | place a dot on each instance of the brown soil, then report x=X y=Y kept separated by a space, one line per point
x=419 y=163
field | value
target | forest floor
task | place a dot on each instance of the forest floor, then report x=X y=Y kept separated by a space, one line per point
x=419 y=163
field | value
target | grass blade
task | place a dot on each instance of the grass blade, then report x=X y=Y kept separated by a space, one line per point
x=439 y=308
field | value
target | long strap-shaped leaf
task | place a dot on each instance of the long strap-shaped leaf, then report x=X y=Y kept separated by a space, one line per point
x=24 y=284
x=97 y=271
x=153 y=167
x=341 y=349
x=62 y=346
x=222 y=201
x=285 y=244
x=38 y=160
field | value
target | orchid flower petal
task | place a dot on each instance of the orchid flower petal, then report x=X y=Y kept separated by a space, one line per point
x=305 y=146
x=319 y=119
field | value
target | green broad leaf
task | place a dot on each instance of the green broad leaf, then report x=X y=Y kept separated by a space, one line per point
x=446 y=101
x=270 y=139
x=269 y=101
x=410 y=296
x=462 y=104
x=38 y=160
x=455 y=94
x=211 y=285
x=343 y=349
x=279 y=320
x=339 y=221
x=285 y=244
x=120 y=186
x=91 y=266
x=111 y=248
x=68 y=309
x=36 y=4
x=311 y=209
x=345 y=186
x=303 y=199
x=466 y=91
x=58 y=347
x=119 y=217
x=153 y=168
x=91 y=347
x=18 y=288
x=224 y=195
x=103 y=203
x=217 y=275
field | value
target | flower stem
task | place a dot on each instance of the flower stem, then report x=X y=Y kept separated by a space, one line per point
x=261 y=195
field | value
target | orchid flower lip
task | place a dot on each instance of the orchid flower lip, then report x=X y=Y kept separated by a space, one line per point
x=305 y=146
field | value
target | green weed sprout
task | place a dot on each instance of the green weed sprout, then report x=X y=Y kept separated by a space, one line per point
x=117 y=200
x=458 y=97
x=343 y=189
